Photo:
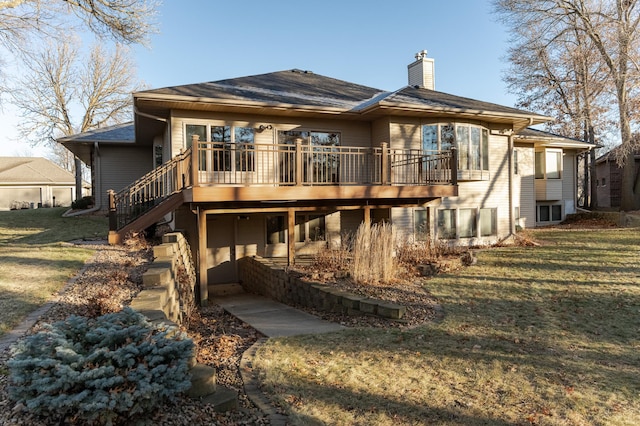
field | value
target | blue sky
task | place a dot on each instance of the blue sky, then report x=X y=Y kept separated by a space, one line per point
x=364 y=42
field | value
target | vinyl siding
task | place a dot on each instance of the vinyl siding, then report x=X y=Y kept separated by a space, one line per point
x=527 y=201
x=352 y=133
x=569 y=186
x=120 y=166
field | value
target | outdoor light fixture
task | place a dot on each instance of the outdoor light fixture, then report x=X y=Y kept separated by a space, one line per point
x=263 y=127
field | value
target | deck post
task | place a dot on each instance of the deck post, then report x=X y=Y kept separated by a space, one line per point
x=195 y=141
x=298 y=162
x=291 y=237
x=454 y=165
x=113 y=219
x=367 y=216
x=385 y=164
x=202 y=258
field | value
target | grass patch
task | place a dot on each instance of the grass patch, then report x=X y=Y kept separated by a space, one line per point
x=532 y=335
x=34 y=262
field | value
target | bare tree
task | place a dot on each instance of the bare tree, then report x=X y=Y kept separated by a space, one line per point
x=611 y=27
x=62 y=93
x=126 y=21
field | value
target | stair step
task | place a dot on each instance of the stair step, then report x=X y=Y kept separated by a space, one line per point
x=222 y=399
x=203 y=381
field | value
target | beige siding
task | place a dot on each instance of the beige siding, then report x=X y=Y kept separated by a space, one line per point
x=402 y=220
x=569 y=186
x=352 y=133
x=406 y=134
x=493 y=193
x=120 y=166
x=380 y=132
x=527 y=201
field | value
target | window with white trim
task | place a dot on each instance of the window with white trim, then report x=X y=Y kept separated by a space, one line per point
x=471 y=140
x=467 y=223
x=548 y=213
x=548 y=164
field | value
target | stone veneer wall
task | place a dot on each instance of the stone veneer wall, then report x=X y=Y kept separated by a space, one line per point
x=270 y=279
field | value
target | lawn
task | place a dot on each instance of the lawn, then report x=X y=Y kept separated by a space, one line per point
x=35 y=261
x=531 y=335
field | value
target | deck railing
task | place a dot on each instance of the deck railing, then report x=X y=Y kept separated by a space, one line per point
x=150 y=190
x=280 y=165
x=288 y=165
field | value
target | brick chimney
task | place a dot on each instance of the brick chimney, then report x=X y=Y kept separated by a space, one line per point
x=422 y=72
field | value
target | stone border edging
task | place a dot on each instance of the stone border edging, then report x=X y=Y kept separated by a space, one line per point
x=251 y=388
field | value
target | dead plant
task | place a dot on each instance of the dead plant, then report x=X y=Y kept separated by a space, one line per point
x=373 y=259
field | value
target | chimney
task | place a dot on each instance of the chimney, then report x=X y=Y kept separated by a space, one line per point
x=422 y=72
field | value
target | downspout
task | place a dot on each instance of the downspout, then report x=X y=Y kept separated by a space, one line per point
x=98 y=204
x=512 y=223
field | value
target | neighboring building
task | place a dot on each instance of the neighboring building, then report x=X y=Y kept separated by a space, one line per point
x=284 y=163
x=31 y=182
x=609 y=183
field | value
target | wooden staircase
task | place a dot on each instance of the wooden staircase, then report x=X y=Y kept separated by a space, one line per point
x=147 y=200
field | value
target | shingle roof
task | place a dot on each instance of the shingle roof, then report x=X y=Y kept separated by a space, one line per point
x=305 y=89
x=293 y=87
x=552 y=138
x=119 y=133
x=34 y=170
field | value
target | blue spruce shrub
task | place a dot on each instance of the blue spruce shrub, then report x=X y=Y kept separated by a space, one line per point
x=104 y=370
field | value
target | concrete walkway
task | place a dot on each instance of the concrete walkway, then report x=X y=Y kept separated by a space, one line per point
x=271 y=318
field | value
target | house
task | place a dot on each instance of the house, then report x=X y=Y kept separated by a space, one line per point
x=609 y=179
x=285 y=163
x=553 y=184
x=30 y=182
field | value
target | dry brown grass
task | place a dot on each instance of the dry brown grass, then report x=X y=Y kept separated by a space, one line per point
x=373 y=259
x=544 y=335
x=34 y=261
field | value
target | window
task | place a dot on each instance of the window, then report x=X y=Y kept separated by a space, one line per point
x=421 y=225
x=276 y=229
x=489 y=221
x=310 y=228
x=157 y=156
x=223 y=148
x=472 y=142
x=447 y=223
x=515 y=162
x=323 y=163
x=467 y=223
x=549 y=213
x=244 y=140
x=548 y=164
x=604 y=182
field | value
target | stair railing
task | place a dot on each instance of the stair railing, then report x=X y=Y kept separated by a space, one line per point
x=139 y=197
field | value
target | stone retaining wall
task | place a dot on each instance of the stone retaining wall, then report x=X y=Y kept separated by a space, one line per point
x=160 y=298
x=161 y=301
x=271 y=279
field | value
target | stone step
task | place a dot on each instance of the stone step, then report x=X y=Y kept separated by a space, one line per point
x=203 y=381
x=222 y=399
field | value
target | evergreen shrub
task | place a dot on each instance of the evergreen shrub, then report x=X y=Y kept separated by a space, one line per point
x=105 y=370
